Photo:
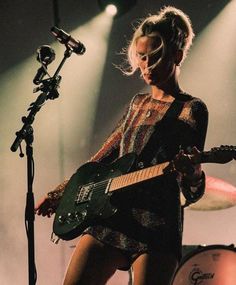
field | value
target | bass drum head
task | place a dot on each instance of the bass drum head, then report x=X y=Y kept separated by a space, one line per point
x=208 y=265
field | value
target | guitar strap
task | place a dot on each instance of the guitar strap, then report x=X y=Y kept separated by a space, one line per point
x=153 y=147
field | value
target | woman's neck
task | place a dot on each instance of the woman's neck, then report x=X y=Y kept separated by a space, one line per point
x=166 y=92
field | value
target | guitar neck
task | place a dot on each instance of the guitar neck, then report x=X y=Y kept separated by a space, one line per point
x=221 y=155
x=137 y=176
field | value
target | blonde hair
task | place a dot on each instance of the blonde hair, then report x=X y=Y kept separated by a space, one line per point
x=171 y=24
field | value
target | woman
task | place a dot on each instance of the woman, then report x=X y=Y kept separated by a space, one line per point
x=164 y=124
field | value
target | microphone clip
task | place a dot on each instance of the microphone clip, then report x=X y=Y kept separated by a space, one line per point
x=49 y=86
x=45 y=55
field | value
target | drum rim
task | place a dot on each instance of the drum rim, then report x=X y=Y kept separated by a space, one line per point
x=200 y=249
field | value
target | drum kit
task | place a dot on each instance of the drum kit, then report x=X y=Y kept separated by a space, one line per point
x=211 y=264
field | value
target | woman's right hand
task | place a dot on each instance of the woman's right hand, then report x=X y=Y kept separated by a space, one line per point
x=46 y=206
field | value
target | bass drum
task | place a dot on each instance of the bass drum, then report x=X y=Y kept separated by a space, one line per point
x=208 y=265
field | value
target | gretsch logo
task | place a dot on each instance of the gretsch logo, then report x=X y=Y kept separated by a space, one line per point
x=196 y=276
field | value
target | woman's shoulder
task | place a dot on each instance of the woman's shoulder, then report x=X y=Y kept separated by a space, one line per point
x=198 y=108
x=199 y=105
x=193 y=102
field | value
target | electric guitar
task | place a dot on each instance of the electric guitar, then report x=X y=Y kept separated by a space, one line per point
x=87 y=196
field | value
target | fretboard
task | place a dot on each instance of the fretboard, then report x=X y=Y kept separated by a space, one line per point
x=137 y=176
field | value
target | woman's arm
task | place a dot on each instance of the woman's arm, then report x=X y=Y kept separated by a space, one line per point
x=193 y=184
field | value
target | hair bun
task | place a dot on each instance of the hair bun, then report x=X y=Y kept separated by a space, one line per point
x=178 y=18
x=170 y=14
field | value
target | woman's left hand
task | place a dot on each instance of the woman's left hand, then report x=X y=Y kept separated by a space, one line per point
x=186 y=167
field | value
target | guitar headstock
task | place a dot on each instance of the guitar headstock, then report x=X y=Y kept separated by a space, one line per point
x=222 y=154
x=185 y=162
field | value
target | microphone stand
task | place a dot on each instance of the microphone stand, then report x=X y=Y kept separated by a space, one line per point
x=49 y=91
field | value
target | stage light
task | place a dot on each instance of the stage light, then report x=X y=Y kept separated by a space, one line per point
x=121 y=6
x=111 y=10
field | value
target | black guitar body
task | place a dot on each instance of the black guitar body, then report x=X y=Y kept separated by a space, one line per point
x=85 y=201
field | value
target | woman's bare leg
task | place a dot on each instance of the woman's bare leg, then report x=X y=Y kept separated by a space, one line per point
x=93 y=263
x=154 y=269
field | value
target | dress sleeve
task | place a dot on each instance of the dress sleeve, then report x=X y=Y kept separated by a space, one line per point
x=193 y=192
x=200 y=114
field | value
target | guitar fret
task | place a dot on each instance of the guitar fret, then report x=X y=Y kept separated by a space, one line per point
x=138 y=176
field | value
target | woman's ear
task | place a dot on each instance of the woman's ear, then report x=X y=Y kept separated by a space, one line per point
x=179 y=57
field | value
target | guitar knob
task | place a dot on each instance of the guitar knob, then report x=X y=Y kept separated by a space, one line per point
x=78 y=216
x=61 y=219
x=84 y=213
x=70 y=218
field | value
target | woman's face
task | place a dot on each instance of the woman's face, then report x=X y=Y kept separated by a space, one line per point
x=156 y=66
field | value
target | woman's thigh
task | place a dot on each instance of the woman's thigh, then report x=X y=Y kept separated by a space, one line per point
x=154 y=268
x=93 y=263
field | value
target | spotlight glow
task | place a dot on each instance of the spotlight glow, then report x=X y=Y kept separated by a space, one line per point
x=111 y=10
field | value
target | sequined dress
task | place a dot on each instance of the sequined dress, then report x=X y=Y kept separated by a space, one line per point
x=150 y=216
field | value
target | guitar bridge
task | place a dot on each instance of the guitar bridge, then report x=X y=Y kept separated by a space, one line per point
x=84 y=193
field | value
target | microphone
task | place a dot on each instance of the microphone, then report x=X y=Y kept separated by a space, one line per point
x=64 y=38
x=45 y=55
